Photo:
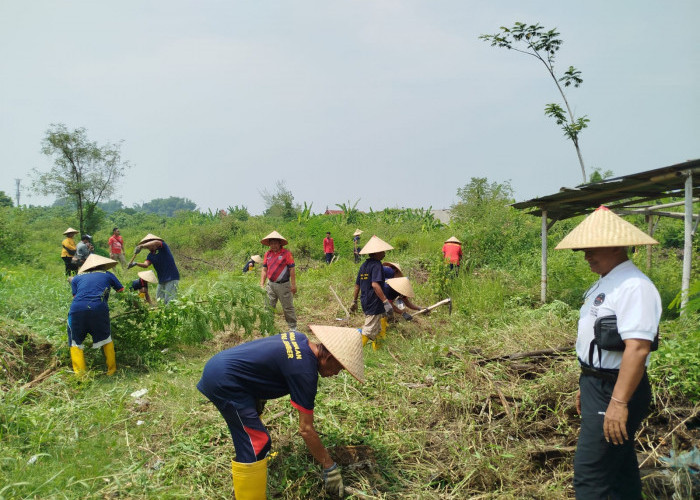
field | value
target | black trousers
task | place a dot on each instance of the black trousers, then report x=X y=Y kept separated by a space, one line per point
x=603 y=470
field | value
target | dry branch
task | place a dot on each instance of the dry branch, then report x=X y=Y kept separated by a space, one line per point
x=557 y=351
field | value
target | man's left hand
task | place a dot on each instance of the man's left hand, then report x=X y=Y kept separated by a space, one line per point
x=132 y=264
x=406 y=316
x=615 y=423
x=333 y=480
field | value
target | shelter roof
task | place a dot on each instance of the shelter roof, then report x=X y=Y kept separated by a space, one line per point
x=628 y=192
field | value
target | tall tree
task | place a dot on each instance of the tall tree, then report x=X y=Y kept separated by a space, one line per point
x=280 y=203
x=543 y=46
x=83 y=171
x=168 y=206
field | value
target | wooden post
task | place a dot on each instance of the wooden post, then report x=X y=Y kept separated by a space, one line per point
x=543 y=291
x=688 y=241
x=650 y=229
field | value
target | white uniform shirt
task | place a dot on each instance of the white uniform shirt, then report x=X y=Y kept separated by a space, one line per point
x=632 y=297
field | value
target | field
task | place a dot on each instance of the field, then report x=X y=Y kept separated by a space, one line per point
x=478 y=403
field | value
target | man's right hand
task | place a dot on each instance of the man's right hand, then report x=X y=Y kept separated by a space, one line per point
x=137 y=249
x=353 y=307
x=388 y=308
x=132 y=264
x=333 y=480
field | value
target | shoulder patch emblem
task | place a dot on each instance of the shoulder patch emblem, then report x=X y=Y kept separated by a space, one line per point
x=599 y=299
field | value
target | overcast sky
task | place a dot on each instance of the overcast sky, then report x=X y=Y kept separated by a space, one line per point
x=392 y=103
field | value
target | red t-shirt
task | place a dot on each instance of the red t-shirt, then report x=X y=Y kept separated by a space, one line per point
x=328 y=246
x=278 y=265
x=453 y=252
x=116 y=244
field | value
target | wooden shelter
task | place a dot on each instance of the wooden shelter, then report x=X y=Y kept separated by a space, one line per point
x=633 y=194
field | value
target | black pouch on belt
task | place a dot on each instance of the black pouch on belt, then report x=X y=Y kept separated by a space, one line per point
x=607 y=337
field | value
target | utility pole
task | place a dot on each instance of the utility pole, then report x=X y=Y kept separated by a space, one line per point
x=17 y=193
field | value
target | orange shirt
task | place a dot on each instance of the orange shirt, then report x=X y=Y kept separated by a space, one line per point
x=452 y=252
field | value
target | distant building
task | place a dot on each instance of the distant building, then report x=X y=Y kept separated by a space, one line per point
x=444 y=216
x=333 y=212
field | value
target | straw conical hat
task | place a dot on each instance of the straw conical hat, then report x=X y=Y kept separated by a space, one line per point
x=375 y=245
x=274 y=235
x=94 y=262
x=603 y=228
x=70 y=230
x=401 y=285
x=150 y=237
x=397 y=269
x=149 y=276
x=358 y=232
x=345 y=344
x=452 y=239
x=257 y=259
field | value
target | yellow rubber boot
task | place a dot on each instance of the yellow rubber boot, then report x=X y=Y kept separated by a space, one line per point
x=250 y=480
x=78 y=359
x=365 y=338
x=110 y=357
x=382 y=331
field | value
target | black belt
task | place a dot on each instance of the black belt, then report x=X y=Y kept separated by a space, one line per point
x=604 y=374
x=280 y=282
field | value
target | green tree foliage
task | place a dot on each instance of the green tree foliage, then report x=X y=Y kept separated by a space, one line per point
x=280 y=203
x=5 y=201
x=599 y=174
x=168 y=206
x=543 y=45
x=111 y=206
x=83 y=172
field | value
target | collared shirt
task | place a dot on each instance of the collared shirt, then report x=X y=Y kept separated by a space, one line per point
x=266 y=368
x=91 y=290
x=630 y=295
x=371 y=271
x=164 y=263
x=328 y=245
x=453 y=252
x=116 y=244
x=278 y=265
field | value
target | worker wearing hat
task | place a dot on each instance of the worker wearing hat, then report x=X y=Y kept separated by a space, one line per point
x=68 y=249
x=398 y=291
x=89 y=311
x=164 y=264
x=140 y=285
x=370 y=282
x=82 y=250
x=250 y=265
x=237 y=379
x=452 y=251
x=617 y=329
x=356 y=245
x=278 y=270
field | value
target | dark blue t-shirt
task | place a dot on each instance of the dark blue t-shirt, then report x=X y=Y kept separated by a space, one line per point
x=137 y=284
x=91 y=291
x=389 y=292
x=266 y=368
x=164 y=264
x=370 y=272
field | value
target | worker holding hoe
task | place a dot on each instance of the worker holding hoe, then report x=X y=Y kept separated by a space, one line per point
x=617 y=329
x=239 y=379
x=250 y=265
x=163 y=262
x=278 y=270
x=370 y=281
x=89 y=311
x=399 y=292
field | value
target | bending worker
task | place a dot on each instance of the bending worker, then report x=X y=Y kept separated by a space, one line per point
x=397 y=291
x=163 y=262
x=370 y=281
x=278 y=269
x=617 y=329
x=89 y=311
x=140 y=285
x=237 y=380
